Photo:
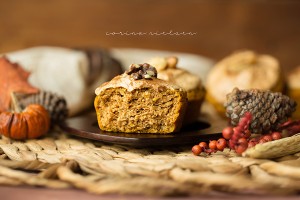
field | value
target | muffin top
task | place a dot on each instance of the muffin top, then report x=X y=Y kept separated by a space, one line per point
x=168 y=71
x=137 y=77
x=245 y=70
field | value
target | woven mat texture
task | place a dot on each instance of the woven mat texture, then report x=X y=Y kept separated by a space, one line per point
x=60 y=161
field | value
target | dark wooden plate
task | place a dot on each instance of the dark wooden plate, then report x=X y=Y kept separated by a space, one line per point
x=86 y=126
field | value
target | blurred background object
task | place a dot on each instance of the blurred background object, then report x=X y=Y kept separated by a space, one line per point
x=221 y=27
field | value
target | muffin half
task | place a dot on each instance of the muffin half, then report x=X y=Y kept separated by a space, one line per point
x=138 y=102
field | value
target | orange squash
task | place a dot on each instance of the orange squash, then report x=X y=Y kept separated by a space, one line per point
x=32 y=122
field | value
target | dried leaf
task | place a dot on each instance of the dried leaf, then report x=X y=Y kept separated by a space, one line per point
x=13 y=79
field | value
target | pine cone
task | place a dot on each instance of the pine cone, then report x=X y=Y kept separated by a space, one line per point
x=268 y=109
x=55 y=104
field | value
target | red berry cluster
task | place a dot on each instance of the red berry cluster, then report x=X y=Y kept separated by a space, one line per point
x=264 y=138
x=211 y=147
x=290 y=127
x=238 y=138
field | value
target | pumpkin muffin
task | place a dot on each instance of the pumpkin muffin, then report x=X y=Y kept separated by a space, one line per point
x=293 y=88
x=245 y=70
x=168 y=71
x=138 y=102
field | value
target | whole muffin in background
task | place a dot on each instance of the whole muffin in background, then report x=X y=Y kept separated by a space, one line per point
x=293 y=88
x=167 y=70
x=138 y=102
x=245 y=70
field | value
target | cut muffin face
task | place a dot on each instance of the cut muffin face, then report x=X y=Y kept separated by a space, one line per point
x=130 y=105
x=142 y=110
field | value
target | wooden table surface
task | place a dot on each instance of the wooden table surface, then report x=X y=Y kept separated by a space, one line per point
x=221 y=27
x=29 y=193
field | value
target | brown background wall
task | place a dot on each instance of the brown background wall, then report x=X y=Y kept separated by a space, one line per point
x=222 y=26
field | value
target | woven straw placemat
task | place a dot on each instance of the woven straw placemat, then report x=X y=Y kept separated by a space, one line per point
x=61 y=161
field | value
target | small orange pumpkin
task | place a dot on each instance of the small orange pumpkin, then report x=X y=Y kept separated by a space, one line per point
x=32 y=122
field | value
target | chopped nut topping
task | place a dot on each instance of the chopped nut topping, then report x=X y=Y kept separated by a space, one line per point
x=140 y=71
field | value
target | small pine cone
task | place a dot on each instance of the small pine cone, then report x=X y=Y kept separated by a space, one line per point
x=55 y=104
x=268 y=109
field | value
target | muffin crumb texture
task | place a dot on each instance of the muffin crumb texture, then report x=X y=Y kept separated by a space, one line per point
x=143 y=110
x=138 y=102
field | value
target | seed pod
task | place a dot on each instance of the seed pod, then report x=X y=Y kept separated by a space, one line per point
x=56 y=105
x=268 y=109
